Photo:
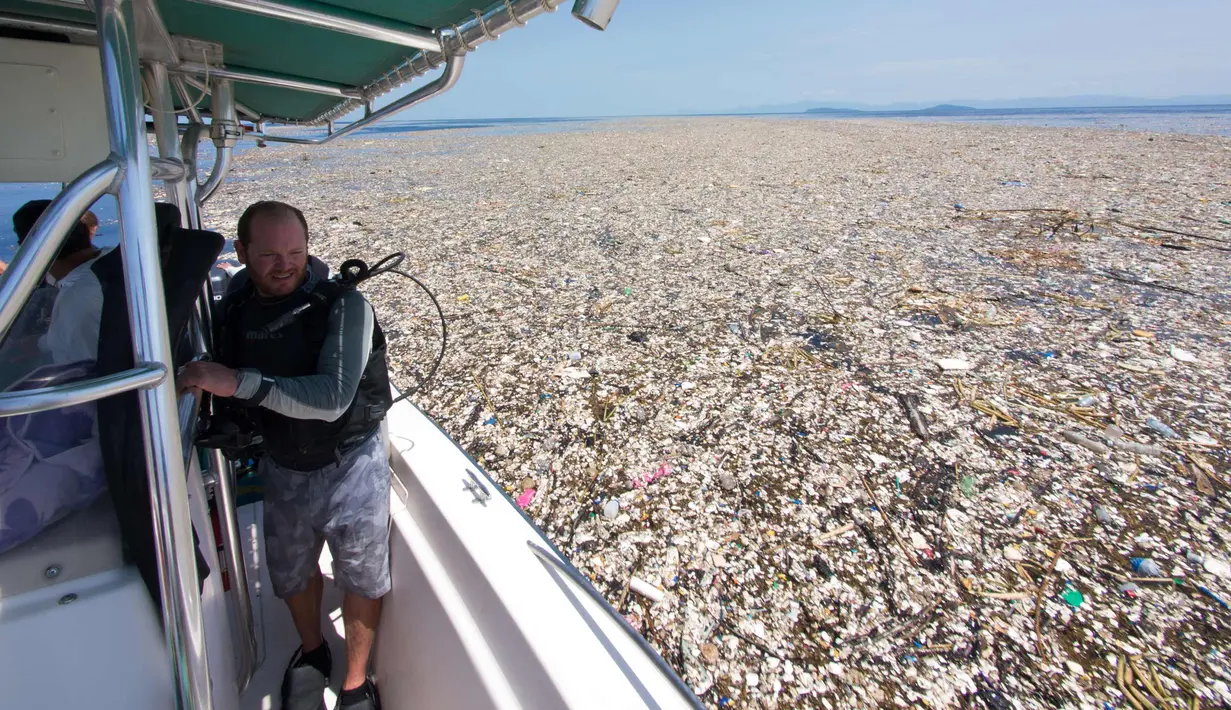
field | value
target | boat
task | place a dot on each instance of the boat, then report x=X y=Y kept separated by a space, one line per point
x=485 y=612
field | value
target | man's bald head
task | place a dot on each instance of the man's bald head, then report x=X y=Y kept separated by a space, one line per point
x=273 y=244
x=268 y=210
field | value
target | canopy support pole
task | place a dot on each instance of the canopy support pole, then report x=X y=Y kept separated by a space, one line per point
x=224 y=130
x=166 y=132
x=442 y=83
x=183 y=624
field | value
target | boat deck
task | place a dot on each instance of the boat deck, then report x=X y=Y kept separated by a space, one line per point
x=275 y=632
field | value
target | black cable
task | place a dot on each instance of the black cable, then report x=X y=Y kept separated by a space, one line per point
x=444 y=334
x=355 y=271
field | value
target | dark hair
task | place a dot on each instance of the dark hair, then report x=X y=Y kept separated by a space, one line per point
x=25 y=217
x=90 y=219
x=267 y=208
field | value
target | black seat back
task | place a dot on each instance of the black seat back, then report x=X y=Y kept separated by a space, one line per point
x=186 y=257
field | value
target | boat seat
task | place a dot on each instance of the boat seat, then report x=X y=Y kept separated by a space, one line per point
x=84 y=543
x=186 y=257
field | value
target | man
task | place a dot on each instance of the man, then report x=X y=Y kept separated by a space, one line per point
x=307 y=360
x=90 y=220
x=72 y=333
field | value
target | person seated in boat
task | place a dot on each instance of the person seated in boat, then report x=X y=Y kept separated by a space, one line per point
x=90 y=220
x=32 y=340
x=72 y=331
x=50 y=462
x=305 y=359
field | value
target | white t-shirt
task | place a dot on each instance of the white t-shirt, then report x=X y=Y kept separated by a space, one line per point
x=75 y=317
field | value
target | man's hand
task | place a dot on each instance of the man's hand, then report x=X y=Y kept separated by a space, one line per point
x=209 y=376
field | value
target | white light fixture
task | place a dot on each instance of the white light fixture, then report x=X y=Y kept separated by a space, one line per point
x=595 y=13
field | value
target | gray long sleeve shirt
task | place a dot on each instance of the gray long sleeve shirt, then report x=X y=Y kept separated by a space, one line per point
x=328 y=393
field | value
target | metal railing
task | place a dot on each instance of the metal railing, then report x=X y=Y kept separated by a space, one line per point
x=183 y=624
x=441 y=84
x=217 y=476
x=336 y=19
x=216 y=472
x=127 y=173
x=266 y=78
x=43 y=243
x=48 y=24
x=221 y=474
x=223 y=121
x=68 y=395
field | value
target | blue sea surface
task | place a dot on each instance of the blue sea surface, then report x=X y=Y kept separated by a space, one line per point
x=1201 y=120
x=14 y=195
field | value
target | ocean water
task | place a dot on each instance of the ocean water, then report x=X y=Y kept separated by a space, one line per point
x=14 y=195
x=1202 y=120
x=1199 y=120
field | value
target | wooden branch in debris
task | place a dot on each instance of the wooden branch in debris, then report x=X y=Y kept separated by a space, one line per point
x=1147 y=228
x=1147 y=284
x=1038 y=599
x=910 y=555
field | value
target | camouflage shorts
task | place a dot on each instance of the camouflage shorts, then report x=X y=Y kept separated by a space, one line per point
x=345 y=505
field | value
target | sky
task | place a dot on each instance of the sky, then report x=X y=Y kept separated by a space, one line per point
x=670 y=56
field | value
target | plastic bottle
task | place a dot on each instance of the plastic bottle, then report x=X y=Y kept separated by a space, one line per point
x=1216 y=566
x=1146 y=567
x=1161 y=428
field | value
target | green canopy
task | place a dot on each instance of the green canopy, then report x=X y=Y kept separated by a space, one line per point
x=255 y=41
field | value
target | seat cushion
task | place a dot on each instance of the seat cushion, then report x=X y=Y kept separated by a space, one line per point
x=84 y=543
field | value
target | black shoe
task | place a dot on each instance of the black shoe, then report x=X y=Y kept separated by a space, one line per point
x=305 y=680
x=365 y=697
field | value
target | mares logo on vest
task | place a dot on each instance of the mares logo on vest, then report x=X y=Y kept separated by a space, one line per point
x=285 y=339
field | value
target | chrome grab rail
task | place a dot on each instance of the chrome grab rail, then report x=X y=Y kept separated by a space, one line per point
x=188 y=407
x=222 y=121
x=73 y=393
x=221 y=472
x=183 y=624
x=578 y=579
x=267 y=78
x=170 y=170
x=43 y=243
x=217 y=476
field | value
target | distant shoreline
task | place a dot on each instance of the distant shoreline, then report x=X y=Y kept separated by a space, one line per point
x=942 y=110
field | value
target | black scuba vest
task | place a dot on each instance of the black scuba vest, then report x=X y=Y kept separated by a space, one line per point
x=284 y=339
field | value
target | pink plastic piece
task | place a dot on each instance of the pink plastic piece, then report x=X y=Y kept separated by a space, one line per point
x=646 y=479
x=526 y=498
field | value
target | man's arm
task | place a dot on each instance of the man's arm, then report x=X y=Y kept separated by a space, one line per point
x=325 y=395
x=328 y=393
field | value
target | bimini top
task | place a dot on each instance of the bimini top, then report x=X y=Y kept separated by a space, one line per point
x=299 y=61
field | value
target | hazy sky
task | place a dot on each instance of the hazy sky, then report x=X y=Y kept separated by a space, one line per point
x=664 y=56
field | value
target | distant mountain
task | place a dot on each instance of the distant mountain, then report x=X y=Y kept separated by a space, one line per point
x=1085 y=101
x=938 y=110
